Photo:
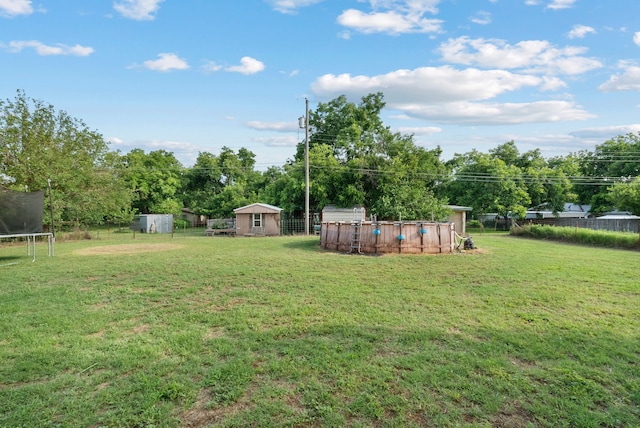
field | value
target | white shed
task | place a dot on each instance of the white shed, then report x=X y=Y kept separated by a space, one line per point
x=333 y=213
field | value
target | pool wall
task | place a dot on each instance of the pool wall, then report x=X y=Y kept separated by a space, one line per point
x=388 y=237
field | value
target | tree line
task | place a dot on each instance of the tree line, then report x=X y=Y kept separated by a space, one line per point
x=354 y=160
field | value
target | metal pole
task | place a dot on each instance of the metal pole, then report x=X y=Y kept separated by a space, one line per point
x=53 y=229
x=306 y=167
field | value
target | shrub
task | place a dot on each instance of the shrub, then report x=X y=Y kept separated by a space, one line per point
x=474 y=224
x=181 y=223
x=599 y=238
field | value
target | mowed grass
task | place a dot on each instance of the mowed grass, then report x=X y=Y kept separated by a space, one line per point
x=196 y=331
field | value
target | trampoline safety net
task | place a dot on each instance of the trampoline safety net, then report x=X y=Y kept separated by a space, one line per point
x=20 y=212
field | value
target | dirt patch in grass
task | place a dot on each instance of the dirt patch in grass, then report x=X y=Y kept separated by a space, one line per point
x=127 y=249
x=204 y=414
x=514 y=415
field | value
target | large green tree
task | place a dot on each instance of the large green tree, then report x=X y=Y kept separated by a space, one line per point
x=488 y=185
x=38 y=143
x=547 y=185
x=614 y=161
x=217 y=184
x=356 y=160
x=626 y=195
x=156 y=181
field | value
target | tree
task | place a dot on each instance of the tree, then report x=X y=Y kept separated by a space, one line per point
x=626 y=196
x=281 y=188
x=38 y=143
x=356 y=160
x=546 y=186
x=216 y=185
x=155 y=179
x=488 y=184
x=407 y=182
x=614 y=161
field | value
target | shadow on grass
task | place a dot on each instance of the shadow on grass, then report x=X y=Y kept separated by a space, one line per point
x=309 y=245
x=11 y=260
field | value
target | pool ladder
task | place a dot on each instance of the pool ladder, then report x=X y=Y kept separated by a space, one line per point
x=356 y=232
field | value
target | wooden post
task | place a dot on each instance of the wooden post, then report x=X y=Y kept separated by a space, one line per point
x=376 y=226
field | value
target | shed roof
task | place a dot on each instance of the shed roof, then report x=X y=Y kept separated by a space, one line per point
x=459 y=208
x=345 y=209
x=257 y=208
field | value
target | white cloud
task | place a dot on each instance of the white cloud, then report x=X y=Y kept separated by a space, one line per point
x=115 y=141
x=291 y=6
x=606 y=131
x=581 y=31
x=42 y=49
x=536 y=56
x=393 y=17
x=471 y=113
x=278 y=141
x=561 y=4
x=390 y=22
x=11 y=8
x=427 y=84
x=628 y=80
x=247 y=65
x=211 y=66
x=553 y=4
x=273 y=126
x=481 y=18
x=166 y=62
x=449 y=95
x=636 y=38
x=140 y=10
x=418 y=130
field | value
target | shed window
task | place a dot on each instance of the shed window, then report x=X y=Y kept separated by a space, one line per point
x=257 y=220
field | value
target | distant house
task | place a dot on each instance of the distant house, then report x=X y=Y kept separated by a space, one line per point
x=570 y=211
x=333 y=213
x=459 y=218
x=258 y=220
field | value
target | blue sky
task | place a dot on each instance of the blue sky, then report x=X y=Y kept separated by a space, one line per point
x=192 y=76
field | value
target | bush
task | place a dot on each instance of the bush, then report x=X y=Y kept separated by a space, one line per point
x=598 y=238
x=181 y=223
x=474 y=224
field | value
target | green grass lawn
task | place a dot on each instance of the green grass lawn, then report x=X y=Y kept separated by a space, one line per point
x=197 y=331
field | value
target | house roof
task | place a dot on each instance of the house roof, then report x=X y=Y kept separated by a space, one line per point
x=570 y=211
x=618 y=217
x=257 y=208
x=460 y=208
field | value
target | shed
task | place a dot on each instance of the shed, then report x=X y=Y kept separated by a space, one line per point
x=153 y=223
x=258 y=220
x=333 y=213
x=194 y=219
x=459 y=218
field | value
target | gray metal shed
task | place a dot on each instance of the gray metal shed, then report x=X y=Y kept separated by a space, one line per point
x=153 y=223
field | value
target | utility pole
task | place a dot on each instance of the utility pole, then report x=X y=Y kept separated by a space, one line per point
x=306 y=167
